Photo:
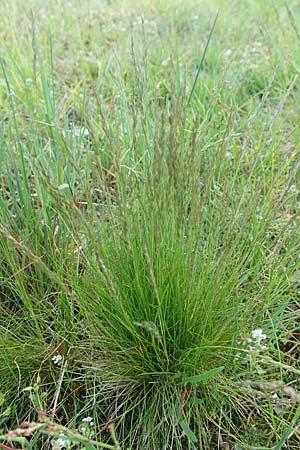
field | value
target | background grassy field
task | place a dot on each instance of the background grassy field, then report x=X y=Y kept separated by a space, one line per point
x=149 y=225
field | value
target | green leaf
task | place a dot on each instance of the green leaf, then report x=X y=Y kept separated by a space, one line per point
x=204 y=376
x=89 y=447
x=187 y=431
x=2 y=398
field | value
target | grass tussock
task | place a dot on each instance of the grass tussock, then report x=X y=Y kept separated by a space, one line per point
x=149 y=250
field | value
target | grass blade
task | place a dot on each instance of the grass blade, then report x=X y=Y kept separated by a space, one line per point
x=204 y=376
x=202 y=59
x=187 y=431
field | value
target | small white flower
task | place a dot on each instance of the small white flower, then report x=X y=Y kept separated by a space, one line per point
x=28 y=81
x=258 y=334
x=228 y=52
x=59 y=443
x=88 y=420
x=57 y=359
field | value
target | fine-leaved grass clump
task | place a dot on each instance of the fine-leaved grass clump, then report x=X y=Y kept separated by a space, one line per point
x=149 y=251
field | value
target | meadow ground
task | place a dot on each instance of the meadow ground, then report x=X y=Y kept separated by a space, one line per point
x=149 y=225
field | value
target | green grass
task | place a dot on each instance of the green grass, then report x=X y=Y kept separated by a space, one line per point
x=149 y=225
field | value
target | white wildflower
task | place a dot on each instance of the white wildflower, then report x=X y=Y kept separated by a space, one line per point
x=258 y=335
x=57 y=359
x=88 y=420
x=60 y=443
